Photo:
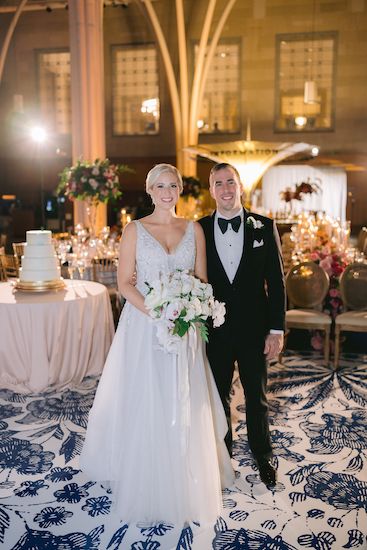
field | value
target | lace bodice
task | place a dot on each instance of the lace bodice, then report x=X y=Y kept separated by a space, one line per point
x=152 y=259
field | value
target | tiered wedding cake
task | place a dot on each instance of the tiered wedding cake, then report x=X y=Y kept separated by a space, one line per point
x=40 y=266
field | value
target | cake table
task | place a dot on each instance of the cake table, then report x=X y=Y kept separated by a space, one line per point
x=54 y=338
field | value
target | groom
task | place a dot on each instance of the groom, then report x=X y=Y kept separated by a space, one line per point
x=246 y=272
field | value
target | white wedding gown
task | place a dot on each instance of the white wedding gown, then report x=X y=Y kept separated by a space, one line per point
x=157 y=426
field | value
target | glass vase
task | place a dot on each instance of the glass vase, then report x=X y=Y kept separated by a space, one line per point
x=91 y=211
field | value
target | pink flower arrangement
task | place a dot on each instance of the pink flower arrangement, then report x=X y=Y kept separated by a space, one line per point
x=97 y=181
x=334 y=265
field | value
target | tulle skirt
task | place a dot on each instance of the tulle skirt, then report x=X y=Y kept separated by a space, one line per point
x=156 y=429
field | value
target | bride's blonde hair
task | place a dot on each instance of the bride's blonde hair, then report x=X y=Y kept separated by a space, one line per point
x=159 y=169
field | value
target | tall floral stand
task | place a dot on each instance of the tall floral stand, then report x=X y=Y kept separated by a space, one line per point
x=92 y=214
x=188 y=207
x=194 y=209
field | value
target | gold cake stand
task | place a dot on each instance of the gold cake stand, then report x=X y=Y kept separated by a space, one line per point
x=40 y=286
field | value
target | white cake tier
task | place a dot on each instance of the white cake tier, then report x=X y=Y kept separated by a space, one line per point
x=39 y=264
x=38 y=237
x=38 y=251
x=38 y=275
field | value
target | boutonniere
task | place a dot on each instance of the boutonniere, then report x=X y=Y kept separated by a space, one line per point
x=255 y=224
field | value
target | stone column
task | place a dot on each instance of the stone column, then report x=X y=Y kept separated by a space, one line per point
x=87 y=90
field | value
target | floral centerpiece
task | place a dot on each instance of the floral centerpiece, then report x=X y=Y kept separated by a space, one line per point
x=93 y=182
x=97 y=181
x=324 y=241
x=190 y=202
x=191 y=187
x=179 y=301
x=334 y=264
x=303 y=188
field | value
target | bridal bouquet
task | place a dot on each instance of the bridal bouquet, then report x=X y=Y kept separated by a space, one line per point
x=179 y=301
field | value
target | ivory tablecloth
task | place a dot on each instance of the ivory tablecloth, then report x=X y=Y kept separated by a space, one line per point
x=53 y=338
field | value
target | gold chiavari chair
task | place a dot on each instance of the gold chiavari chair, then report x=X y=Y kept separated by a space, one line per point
x=353 y=288
x=362 y=239
x=18 y=249
x=287 y=251
x=3 y=275
x=104 y=271
x=61 y=236
x=10 y=265
x=307 y=285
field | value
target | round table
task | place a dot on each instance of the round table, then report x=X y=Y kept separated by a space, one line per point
x=53 y=338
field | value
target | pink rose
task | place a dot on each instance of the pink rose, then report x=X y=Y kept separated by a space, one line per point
x=314 y=256
x=317 y=341
x=326 y=265
x=334 y=293
x=337 y=269
x=334 y=303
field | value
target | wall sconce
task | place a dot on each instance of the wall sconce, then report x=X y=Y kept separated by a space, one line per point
x=310 y=93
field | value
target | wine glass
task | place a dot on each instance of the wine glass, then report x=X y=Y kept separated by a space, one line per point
x=81 y=265
x=71 y=259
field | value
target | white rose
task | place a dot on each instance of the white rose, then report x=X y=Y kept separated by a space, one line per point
x=153 y=299
x=187 y=286
x=205 y=309
x=93 y=183
x=208 y=290
x=190 y=314
x=166 y=339
x=219 y=312
x=174 y=288
x=196 y=304
x=95 y=171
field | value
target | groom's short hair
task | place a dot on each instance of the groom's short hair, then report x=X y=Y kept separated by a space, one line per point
x=222 y=166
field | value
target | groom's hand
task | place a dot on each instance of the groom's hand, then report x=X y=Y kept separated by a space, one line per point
x=273 y=345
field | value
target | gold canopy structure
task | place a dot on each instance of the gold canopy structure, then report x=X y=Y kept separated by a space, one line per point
x=251 y=158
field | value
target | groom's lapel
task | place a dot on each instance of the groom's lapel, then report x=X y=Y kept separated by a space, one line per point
x=247 y=245
x=214 y=250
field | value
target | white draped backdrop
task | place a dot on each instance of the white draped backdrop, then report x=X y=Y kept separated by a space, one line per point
x=332 y=197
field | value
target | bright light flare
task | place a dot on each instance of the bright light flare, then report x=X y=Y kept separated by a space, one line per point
x=38 y=134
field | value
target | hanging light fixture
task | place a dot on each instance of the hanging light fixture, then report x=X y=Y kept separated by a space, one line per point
x=310 y=90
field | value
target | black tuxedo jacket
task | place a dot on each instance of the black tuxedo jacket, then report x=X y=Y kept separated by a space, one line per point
x=255 y=301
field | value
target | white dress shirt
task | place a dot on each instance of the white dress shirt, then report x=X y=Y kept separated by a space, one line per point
x=229 y=245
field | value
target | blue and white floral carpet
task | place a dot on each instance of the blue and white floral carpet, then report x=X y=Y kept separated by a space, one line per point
x=319 y=430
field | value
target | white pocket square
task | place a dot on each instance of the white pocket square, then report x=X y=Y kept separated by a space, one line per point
x=256 y=244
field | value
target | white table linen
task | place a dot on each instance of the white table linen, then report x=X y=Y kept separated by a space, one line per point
x=53 y=338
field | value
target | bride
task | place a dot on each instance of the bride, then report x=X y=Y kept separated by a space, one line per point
x=156 y=429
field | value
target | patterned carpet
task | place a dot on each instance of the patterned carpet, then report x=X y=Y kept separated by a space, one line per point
x=318 y=426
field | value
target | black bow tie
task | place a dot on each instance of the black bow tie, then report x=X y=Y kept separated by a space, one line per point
x=235 y=223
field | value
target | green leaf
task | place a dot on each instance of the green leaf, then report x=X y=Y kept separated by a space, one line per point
x=203 y=329
x=181 y=327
